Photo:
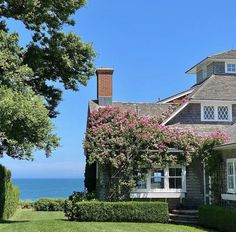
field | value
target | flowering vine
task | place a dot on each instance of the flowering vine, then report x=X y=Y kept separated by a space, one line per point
x=128 y=146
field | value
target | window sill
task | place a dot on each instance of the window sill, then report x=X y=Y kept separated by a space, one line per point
x=157 y=194
x=229 y=197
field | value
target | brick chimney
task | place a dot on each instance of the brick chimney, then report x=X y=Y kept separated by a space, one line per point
x=104 y=86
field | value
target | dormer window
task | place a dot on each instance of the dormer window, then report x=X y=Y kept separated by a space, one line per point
x=230 y=67
x=216 y=112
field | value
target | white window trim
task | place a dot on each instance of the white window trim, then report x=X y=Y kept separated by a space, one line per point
x=216 y=104
x=234 y=176
x=166 y=192
x=226 y=64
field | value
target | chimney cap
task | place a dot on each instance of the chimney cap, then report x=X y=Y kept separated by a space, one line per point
x=104 y=71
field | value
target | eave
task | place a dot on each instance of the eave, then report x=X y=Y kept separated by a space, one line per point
x=223 y=147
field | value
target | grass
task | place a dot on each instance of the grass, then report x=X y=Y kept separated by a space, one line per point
x=33 y=221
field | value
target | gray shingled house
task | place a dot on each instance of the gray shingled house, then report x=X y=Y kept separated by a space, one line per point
x=211 y=106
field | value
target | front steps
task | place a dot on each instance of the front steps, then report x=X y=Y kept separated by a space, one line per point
x=184 y=217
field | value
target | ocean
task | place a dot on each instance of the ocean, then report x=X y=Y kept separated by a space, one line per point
x=33 y=189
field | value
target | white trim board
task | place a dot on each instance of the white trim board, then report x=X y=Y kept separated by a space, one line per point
x=228 y=197
x=156 y=195
x=175 y=113
x=171 y=98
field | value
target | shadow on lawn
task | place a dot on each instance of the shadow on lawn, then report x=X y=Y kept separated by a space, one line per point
x=12 y=222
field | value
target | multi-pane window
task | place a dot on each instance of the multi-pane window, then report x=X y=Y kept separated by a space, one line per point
x=175 y=178
x=220 y=112
x=223 y=112
x=142 y=183
x=231 y=68
x=157 y=179
x=163 y=179
x=209 y=113
x=231 y=175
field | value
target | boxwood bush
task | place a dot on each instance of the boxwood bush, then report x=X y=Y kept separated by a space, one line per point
x=49 y=204
x=220 y=218
x=9 y=194
x=118 y=211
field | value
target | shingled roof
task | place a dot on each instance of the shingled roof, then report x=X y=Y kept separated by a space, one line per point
x=226 y=55
x=142 y=109
x=211 y=89
x=230 y=54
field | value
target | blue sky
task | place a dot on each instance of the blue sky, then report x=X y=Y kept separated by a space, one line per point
x=150 y=44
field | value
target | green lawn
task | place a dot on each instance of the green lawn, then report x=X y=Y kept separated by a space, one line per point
x=32 y=221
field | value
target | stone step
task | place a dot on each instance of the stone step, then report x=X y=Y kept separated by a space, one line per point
x=189 y=222
x=185 y=212
x=186 y=216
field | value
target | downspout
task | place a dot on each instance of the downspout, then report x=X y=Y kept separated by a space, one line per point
x=204 y=183
x=209 y=190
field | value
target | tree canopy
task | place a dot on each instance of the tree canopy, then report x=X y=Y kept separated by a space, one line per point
x=51 y=54
x=29 y=75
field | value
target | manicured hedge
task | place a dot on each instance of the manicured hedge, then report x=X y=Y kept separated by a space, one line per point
x=222 y=219
x=9 y=194
x=49 y=204
x=118 y=211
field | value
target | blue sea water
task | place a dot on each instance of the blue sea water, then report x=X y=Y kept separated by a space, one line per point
x=33 y=189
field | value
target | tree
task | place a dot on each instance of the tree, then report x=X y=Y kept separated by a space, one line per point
x=28 y=96
x=24 y=121
x=52 y=55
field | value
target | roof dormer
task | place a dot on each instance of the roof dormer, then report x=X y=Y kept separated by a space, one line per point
x=219 y=64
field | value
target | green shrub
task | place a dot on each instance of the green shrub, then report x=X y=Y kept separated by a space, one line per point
x=219 y=218
x=75 y=197
x=26 y=204
x=81 y=196
x=9 y=194
x=49 y=204
x=118 y=211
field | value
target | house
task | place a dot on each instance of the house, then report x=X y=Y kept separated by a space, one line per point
x=210 y=106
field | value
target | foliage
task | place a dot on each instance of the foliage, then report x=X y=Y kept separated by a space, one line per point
x=81 y=196
x=32 y=77
x=128 y=146
x=121 y=211
x=51 y=55
x=70 y=204
x=49 y=204
x=28 y=221
x=9 y=195
x=213 y=164
x=26 y=204
x=222 y=219
x=24 y=122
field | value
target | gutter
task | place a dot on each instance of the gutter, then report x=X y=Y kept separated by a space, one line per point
x=225 y=147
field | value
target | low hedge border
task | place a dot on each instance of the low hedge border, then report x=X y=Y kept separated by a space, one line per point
x=49 y=204
x=118 y=211
x=220 y=218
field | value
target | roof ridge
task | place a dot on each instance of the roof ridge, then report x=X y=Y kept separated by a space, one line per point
x=179 y=93
x=157 y=103
x=219 y=53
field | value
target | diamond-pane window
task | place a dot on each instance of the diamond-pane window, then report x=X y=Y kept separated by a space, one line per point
x=223 y=113
x=209 y=113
